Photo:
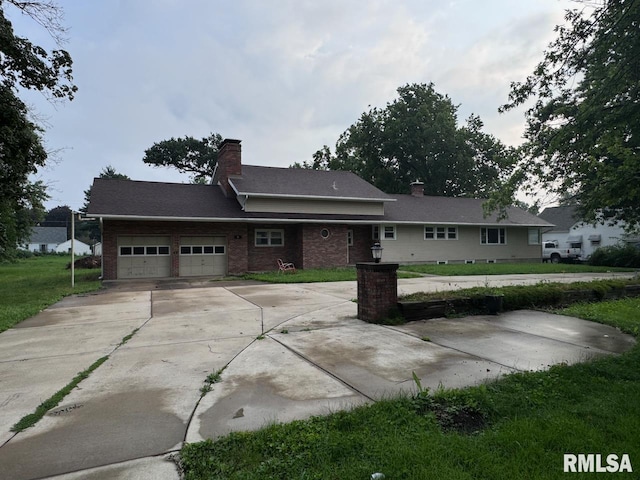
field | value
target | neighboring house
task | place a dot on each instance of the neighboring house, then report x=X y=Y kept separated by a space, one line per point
x=79 y=248
x=250 y=216
x=570 y=231
x=46 y=239
x=97 y=249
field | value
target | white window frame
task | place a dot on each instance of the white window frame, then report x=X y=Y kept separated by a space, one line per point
x=484 y=236
x=393 y=232
x=539 y=234
x=212 y=247
x=269 y=236
x=349 y=238
x=145 y=254
x=435 y=232
x=375 y=232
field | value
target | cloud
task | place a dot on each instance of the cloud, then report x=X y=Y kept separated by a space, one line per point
x=285 y=76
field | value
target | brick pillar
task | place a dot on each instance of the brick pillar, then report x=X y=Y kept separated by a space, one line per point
x=377 y=290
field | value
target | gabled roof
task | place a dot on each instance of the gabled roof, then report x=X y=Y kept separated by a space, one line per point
x=48 y=235
x=129 y=199
x=116 y=197
x=454 y=211
x=563 y=217
x=305 y=183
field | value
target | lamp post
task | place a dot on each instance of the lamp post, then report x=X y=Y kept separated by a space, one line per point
x=376 y=252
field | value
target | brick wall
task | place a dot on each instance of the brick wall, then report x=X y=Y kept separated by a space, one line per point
x=263 y=258
x=377 y=290
x=236 y=234
x=229 y=164
x=362 y=243
x=303 y=244
x=318 y=252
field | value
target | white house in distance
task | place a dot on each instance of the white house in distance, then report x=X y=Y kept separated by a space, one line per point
x=79 y=248
x=569 y=231
x=46 y=239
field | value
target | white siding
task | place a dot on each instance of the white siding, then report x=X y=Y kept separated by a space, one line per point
x=609 y=235
x=79 y=248
x=279 y=205
x=411 y=247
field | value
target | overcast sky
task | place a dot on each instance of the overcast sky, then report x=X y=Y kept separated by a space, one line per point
x=283 y=76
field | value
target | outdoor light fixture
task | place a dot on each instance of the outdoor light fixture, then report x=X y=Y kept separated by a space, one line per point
x=376 y=251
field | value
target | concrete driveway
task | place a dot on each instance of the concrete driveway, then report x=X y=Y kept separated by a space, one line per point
x=288 y=352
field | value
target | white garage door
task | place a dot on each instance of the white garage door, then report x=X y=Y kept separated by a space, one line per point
x=201 y=256
x=144 y=257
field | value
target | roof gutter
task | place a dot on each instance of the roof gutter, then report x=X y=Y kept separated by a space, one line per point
x=371 y=221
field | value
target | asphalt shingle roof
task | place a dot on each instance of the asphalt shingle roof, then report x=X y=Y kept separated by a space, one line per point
x=303 y=182
x=563 y=217
x=453 y=210
x=129 y=198
x=48 y=235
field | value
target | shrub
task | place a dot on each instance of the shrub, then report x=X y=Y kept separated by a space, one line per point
x=86 y=262
x=616 y=256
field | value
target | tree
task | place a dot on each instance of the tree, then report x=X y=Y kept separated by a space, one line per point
x=27 y=66
x=416 y=137
x=583 y=131
x=59 y=216
x=188 y=155
x=89 y=230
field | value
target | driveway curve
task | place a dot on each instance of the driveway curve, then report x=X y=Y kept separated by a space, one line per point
x=284 y=352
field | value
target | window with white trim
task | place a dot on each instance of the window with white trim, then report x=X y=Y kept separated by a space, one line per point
x=350 y=238
x=534 y=236
x=375 y=232
x=269 y=238
x=493 y=236
x=134 y=250
x=389 y=232
x=202 y=249
x=440 y=233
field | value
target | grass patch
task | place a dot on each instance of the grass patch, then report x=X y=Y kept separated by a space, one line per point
x=212 y=378
x=623 y=314
x=521 y=426
x=30 y=285
x=52 y=402
x=314 y=275
x=508 y=269
x=542 y=294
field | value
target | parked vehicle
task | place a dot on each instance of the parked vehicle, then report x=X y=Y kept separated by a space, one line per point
x=552 y=252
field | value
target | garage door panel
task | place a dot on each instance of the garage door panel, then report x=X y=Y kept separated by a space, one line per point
x=202 y=256
x=144 y=257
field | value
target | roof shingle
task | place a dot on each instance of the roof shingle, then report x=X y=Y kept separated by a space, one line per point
x=299 y=182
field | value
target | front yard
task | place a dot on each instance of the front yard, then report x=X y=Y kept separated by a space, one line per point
x=30 y=285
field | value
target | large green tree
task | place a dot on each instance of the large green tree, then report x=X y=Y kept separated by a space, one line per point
x=583 y=130
x=24 y=65
x=188 y=155
x=417 y=137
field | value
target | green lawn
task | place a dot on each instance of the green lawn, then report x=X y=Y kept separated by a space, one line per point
x=314 y=275
x=530 y=420
x=413 y=271
x=30 y=285
x=508 y=268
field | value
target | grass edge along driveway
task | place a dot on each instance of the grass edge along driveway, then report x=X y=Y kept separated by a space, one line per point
x=30 y=285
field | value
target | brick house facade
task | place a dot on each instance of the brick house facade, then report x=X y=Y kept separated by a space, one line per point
x=251 y=216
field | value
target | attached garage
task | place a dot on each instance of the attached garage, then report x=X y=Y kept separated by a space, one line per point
x=144 y=257
x=202 y=256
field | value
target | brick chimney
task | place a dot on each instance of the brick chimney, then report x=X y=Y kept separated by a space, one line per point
x=417 y=189
x=229 y=164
